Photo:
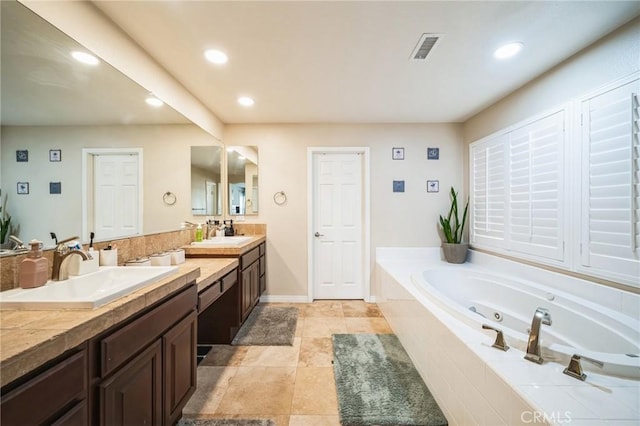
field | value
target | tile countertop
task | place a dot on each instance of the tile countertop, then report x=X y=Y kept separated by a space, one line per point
x=198 y=251
x=30 y=338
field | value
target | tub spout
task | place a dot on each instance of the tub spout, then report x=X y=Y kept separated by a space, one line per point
x=541 y=316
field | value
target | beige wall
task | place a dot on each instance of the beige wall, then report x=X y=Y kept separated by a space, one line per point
x=611 y=58
x=166 y=165
x=397 y=219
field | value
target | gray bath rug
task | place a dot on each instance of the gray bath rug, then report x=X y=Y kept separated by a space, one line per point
x=268 y=326
x=378 y=384
x=224 y=422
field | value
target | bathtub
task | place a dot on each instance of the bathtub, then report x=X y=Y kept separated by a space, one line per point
x=479 y=297
x=437 y=311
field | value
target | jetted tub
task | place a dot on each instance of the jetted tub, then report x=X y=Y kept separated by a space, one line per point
x=507 y=303
x=437 y=310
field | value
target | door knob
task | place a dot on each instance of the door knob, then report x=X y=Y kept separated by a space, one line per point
x=317 y=234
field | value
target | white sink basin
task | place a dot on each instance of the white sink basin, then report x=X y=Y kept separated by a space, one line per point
x=87 y=291
x=222 y=241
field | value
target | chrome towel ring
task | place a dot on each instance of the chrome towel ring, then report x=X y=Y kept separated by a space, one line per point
x=280 y=198
x=169 y=198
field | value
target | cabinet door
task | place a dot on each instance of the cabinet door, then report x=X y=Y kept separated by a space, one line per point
x=180 y=362
x=245 y=297
x=133 y=395
x=255 y=283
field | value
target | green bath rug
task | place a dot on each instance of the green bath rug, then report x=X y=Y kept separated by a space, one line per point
x=378 y=384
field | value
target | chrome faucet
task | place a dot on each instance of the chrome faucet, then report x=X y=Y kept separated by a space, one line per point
x=541 y=316
x=18 y=244
x=59 y=255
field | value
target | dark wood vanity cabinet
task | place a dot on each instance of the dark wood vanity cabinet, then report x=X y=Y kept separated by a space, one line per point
x=253 y=279
x=143 y=372
x=53 y=394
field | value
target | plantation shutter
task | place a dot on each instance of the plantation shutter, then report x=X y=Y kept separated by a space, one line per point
x=610 y=182
x=487 y=192
x=535 y=192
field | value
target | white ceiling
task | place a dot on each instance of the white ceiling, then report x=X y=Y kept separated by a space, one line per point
x=333 y=61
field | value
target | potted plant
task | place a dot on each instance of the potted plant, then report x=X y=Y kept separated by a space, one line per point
x=455 y=251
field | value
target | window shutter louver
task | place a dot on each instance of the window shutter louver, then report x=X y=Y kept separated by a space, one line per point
x=610 y=177
x=487 y=192
x=535 y=192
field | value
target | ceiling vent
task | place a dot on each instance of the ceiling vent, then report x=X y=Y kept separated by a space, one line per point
x=425 y=45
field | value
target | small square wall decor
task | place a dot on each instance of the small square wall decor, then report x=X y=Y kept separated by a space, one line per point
x=23 y=187
x=433 y=153
x=55 y=155
x=22 y=155
x=398 y=186
x=397 y=153
x=55 y=187
x=433 y=186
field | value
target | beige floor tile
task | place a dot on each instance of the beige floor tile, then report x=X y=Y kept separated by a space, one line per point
x=323 y=327
x=367 y=325
x=323 y=308
x=259 y=391
x=358 y=308
x=315 y=392
x=299 y=326
x=225 y=355
x=279 y=420
x=309 y=420
x=273 y=356
x=213 y=382
x=316 y=352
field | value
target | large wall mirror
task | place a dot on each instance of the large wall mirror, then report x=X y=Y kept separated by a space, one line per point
x=242 y=180
x=54 y=107
x=207 y=192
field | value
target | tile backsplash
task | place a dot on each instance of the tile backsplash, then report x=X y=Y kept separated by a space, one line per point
x=128 y=249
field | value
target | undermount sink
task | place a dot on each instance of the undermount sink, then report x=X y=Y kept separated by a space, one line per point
x=222 y=241
x=88 y=291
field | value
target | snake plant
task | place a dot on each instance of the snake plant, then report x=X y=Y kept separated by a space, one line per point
x=451 y=226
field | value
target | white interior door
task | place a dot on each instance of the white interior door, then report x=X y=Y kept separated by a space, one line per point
x=337 y=226
x=116 y=201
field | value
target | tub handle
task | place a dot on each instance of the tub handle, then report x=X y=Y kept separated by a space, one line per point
x=499 y=343
x=575 y=368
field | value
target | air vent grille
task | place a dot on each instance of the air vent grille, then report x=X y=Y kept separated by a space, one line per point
x=426 y=43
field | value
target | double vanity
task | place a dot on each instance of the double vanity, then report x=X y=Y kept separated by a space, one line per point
x=133 y=359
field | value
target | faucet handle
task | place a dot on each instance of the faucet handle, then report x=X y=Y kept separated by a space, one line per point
x=500 y=342
x=575 y=368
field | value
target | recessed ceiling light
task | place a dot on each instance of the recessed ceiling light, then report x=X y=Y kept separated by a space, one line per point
x=85 y=58
x=216 y=56
x=508 y=50
x=246 y=101
x=154 y=102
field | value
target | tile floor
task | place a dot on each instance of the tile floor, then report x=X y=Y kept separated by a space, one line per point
x=291 y=385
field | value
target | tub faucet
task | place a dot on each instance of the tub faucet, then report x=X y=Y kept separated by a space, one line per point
x=541 y=316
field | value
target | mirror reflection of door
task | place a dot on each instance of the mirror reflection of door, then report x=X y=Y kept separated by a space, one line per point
x=206 y=178
x=242 y=178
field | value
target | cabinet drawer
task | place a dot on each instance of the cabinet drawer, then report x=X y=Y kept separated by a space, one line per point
x=250 y=257
x=132 y=338
x=263 y=248
x=263 y=265
x=229 y=280
x=41 y=399
x=209 y=295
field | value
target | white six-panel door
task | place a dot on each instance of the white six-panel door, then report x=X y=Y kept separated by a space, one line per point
x=337 y=226
x=116 y=195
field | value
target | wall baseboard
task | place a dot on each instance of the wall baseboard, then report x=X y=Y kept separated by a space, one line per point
x=283 y=299
x=295 y=299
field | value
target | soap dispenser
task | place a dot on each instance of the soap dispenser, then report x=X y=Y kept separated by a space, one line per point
x=199 y=233
x=34 y=270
